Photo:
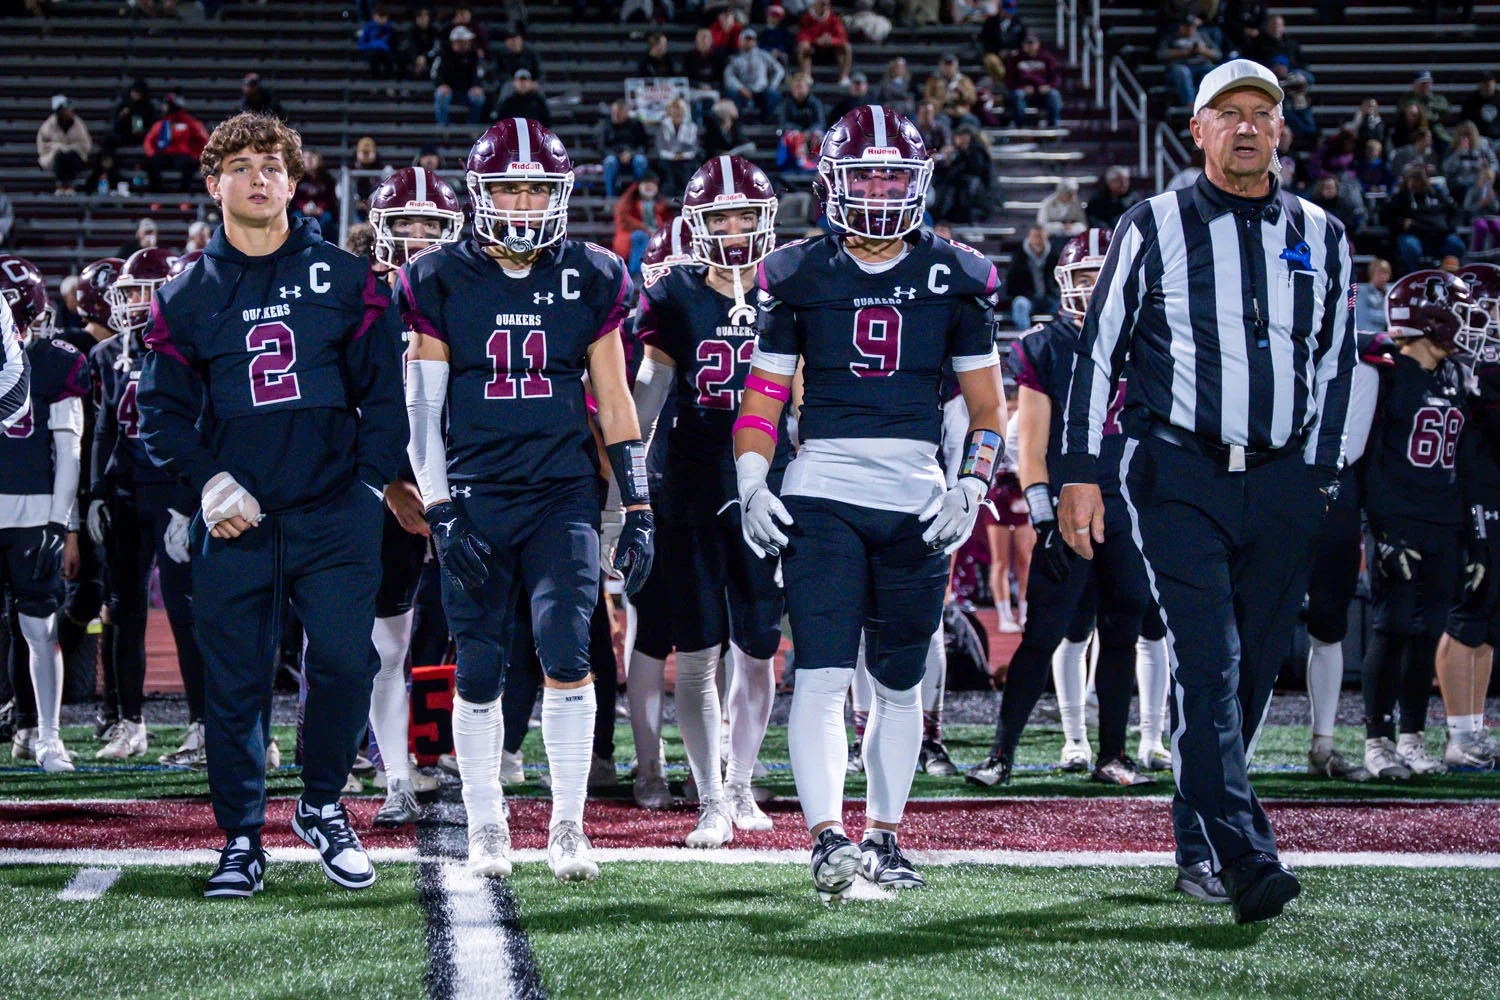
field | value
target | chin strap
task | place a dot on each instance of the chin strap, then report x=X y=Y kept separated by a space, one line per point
x=742 y=311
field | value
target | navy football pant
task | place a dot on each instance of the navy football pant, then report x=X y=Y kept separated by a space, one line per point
x=402 y=556
x=429 y=623
x=1226 y=554
x=849 y=568
x=718 y=589
x=1334 y=575
x=653 y=611
x=325 y=562
x=546 y=546
x=523 y=680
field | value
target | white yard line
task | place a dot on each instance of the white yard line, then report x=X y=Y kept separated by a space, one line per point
x=481 y=955
x=88 y=885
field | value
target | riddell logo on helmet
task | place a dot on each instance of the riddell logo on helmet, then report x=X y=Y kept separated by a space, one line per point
x=880 y=151
x=529 y=165
x=736 y=197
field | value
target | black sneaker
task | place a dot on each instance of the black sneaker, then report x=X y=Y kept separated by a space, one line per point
x=1121 y=771
x=881 y=862
x=835 y=863
x=995 y=771
x=327 y=830
x=1259 y=886
x=934 y=760
x=1199 y=881
x=241 y=871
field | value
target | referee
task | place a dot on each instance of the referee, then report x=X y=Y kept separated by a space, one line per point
x=1231 y=300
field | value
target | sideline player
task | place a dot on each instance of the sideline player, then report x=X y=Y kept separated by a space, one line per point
x=873 y=313
x=273 y=388
x=505 y=327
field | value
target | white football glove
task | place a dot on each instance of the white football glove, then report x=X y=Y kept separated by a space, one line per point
x=175 y=538
x=224 y=498
x=98 y=521
x=760 y=509
x=953 y=514
x=611 y=523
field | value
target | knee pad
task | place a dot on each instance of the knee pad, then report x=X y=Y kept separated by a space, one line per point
x=899 y=666
x=480 y=672
x=1117 y=631
x=762 y=645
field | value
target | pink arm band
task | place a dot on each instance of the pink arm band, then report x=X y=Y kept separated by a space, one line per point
x=757 y=424
x=768 y=388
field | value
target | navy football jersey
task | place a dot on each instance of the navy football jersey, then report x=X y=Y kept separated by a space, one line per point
x=119 y=455
x=1412 y=458
x=518 y=350
x=58 y=372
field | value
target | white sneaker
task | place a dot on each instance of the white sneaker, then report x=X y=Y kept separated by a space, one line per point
x=23 y=745
x=1382 y=761
x=1154 y=757
x=569 y=854
x=714 y=829
x=1469 y=752
x=421 y=781
x=52 y=756
x=1007 y=623
x=1412 y=749
x=273 y=755
x=489 y=850
x=651 y=790
x=512 y=768
x=129 y=741
x=1076 y=756
x=747 y=815
x=192 y=752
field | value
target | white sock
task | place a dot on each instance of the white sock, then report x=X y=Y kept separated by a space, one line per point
x=1325 y=675
x=568 y=732
x=46 y=658
x=697 y=700
x=478 y=735
x=723 y=677
x=1152 y=674
x=816 y=742
x=644 y=679
x=1465 y=725
x=389 y=713
x=1070 y=677
x=935 y=673
x=892 y=744
x=861 y=691
x=752 y=693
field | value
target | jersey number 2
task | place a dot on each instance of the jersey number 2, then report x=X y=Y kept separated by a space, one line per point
x=877 y=337
x=271 y=377
x=530 y=380
x=717 y=358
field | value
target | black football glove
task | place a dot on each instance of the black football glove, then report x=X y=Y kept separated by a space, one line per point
x=461 y=549
x=636 y=549
x=1051 y=554
x=48 y=552
x=1479 y=582
x=1398 y=561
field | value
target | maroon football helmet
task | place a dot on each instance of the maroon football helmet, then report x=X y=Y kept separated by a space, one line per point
x=667 y=248
x=407 y=198
x=1082 y=254
x=873 y=174
x=130 y=296
x=93 y=289
x=519 y=149
x=25 y=291
x=730 y=184
x=1484 y=282
x=1440 y=307
x=182 y=263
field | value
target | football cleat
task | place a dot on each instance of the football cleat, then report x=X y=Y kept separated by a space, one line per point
x=241 y=871
x=53 y=757
x=23 y=745
x=746 y=813
x=835 y=863
x=1469 y=752
x=881 y=862
x=934 y=760
x=362 y=766
x=1325 y=762
x=602 y=774
x=192 y=753
x=1259 y=887
x=489 y=850
x=1200 y=882
x=1121 y=771
x=1154 y=757
x=273 y=755
x=421 y=781
x=856 y=763
x=328 y=832
x=650 y=789
x=129 y=741
x=1076 y=756
x=715 y=827
x=570 y=855
x=1382 y=762
x=513 y=768
x=7 y=720
x=993 y=771
x=1412 y=750
x=104 y=727
x=400 y=805
x=449 y=762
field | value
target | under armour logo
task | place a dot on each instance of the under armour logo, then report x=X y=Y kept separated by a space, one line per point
x=295 y=292
x=540 y=298
x=460 y=491
x=905 y=293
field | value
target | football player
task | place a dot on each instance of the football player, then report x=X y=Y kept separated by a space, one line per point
x=1414 y=504
x=699 y=334
x=872 y=313
x=273 y=388
x=39 y=471
x=1010 y=536
x=506 y=325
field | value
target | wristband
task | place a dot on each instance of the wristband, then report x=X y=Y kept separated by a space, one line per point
x=982 y=450
x=627 y=460
x=751 y=422
x=1039 y=500
x=764 y=386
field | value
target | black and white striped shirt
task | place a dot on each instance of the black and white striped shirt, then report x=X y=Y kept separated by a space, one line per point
x=1236 y=317
x=15 y=386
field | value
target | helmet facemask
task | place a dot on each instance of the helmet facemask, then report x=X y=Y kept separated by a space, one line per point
x=1075 y=284
x=129 y=301
x=716 y=244
x=1480 y=327
x=880 y=196
x=401 y=233
x=521 y=232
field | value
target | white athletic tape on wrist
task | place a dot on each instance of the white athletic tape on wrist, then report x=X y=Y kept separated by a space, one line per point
x=223 y=498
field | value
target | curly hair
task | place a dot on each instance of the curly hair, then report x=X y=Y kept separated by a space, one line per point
x=261 y=133
x=361 y=240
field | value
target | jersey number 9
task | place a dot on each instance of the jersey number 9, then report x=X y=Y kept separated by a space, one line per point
x=877 y=336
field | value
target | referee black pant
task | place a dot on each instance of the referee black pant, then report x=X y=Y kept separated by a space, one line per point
x=1227 y=556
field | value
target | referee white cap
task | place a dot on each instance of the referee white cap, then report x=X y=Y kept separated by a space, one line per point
x=1236 y=73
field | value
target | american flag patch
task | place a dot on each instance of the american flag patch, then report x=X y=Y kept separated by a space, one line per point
x=1353 y=294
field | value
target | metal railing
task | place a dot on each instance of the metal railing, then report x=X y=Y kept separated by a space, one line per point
x=1125 y=89
x=1171 y=156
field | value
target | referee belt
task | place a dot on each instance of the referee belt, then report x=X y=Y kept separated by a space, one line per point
x=1233 y=457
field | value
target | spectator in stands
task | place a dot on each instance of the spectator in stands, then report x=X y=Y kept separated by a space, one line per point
x=1468 y=155
x=823 y=37
x=1421 y=217
x=622 y=143
x=121 y=146
x=894 y=89
x=1482 y=107
x=175 y=143
x=1189 y=56
x=153 y=8
x=1372 y=171
x=949 y=90
x=421 y=40
x=704 y=69
x=515 y=54
x=752 y=77
x=657 y=62
x=1409 y=118
x=1338 y=202
x=1369 y=301
x=639 y=213
x=1482 y=211
x=919 y=12
x=965 y=183
x=1418 y=153
x=1273 y=43
x=1029 y=284
x=367 y=158
x=143 y=239
x=1001 y=36
x=1436 y=106
x=676 y=147
x=801 y=110
x=463 y=17
x=380 y=46
x=1368 y=124
x=1296 y=106
x=1111 y=199
x=936 y=129
x=857 y=96
x=1336 y=156
x=428 y=158
x=1032 y=76
x=525 y=100
x=970 y=11
x=198 y=236
x=867 y=24
x=459 y=70
x=317 y=195
x=68 y=319
x=63 y=145
x=776 y=38
x=257 y=98
x=7 y=219
x=1061 y=214
x=726 y=32
x=1242 y=21
x=722 y=132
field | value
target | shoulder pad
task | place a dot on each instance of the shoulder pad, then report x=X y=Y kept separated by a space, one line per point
x=970 y=264
x=783 y=262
